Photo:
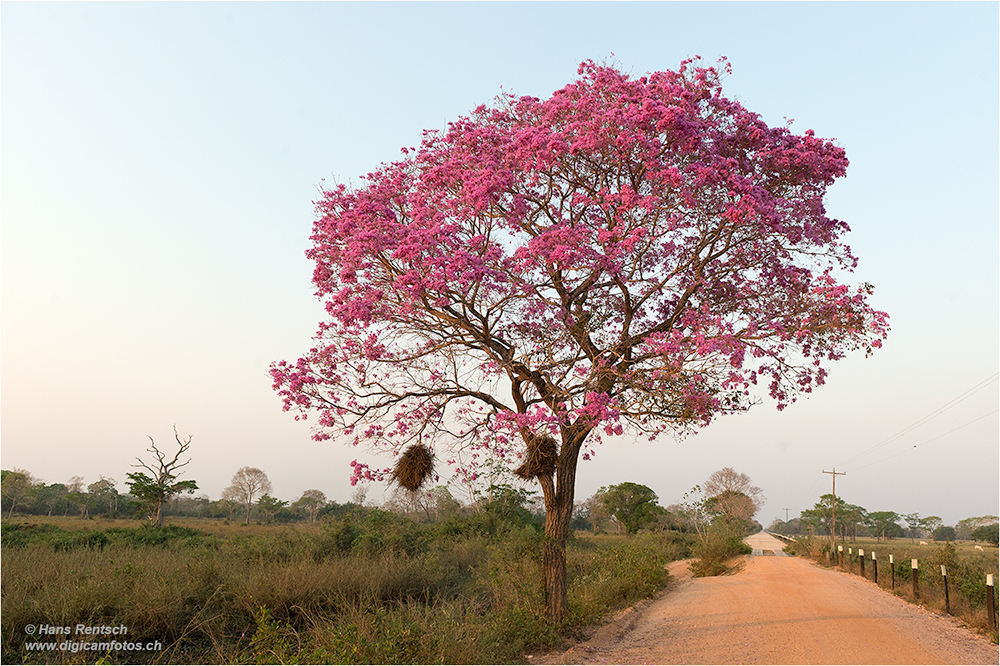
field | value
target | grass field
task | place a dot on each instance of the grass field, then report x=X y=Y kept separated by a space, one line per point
x=361 y=589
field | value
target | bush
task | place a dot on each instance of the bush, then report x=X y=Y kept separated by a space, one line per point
x=989 y=533
x=944 y=533
x=715 y=550
x=60 y=539
x=803 y=545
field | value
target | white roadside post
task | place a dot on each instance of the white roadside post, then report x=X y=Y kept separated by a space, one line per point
x=990 y=601
x=947 y=601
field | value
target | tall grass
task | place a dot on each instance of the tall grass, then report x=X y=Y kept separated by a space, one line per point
x=368 y=589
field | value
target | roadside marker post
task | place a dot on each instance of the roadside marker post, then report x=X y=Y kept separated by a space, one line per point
x=850 y=560
x=874 y=568
x=840 y=556
x=947 y=601
x=861 y=559
x=913 y=578
x=990 y=600
x=892 y=573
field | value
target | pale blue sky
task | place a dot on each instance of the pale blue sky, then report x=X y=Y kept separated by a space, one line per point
x=158 y=163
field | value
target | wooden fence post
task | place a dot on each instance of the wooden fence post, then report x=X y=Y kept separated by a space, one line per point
x=947 y=601
x=874 y=568
x=913 y=578
x=990 y=600
x=861 y=559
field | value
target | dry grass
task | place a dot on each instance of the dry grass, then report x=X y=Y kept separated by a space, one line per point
x=270 y=595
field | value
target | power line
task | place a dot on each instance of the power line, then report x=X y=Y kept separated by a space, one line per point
x=964 y=396
x=808 y=493
x=926 y=442
x=833 y=505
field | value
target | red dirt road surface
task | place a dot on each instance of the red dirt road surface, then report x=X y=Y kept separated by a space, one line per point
x=778 y=610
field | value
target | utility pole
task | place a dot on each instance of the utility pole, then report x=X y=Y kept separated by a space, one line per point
x=833 y=507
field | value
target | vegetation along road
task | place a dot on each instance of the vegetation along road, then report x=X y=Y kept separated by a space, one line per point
x=779 y=610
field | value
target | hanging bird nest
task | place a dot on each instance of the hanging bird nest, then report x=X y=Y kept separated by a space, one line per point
x=543 y=453
x=414 y=467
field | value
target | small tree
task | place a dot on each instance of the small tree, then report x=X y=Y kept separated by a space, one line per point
x=311 y=502
x=931 y=523
x=51 y=496
x=944 y=533
x=17 y=487
x=632 y=505
x=915 y=524
x=230 y=501
x=152 y=492
x=965 y=527
x=103 y=490
x=248 y=483
x=989 y=533
x=269 y=506
x=443 y=503
x=732 y=496
x=883 y=524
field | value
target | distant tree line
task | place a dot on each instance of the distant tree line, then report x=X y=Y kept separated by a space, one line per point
x=727 y=505
x=853 y=521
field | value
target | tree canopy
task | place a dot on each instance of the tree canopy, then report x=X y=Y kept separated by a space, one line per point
x=635 y=253
x=631 y=504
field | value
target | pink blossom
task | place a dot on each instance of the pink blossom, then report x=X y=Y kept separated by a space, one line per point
x=629 y=254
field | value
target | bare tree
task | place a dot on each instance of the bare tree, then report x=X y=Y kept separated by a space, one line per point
x=727 y=482
x=230 y=500
x=153 y=492
x=248 y=483
x=360 y=494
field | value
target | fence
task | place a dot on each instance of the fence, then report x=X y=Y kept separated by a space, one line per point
x=957 y=585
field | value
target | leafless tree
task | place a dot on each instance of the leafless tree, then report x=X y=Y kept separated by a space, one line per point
x=247 y=484
x=360 y=494
x=727 y=482
x=230 y=500
x=408 y=502
x=157 y=490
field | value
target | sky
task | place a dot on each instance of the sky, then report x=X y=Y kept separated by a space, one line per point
x=158 y=164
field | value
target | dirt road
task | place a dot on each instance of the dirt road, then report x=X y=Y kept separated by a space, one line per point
x=778 y=610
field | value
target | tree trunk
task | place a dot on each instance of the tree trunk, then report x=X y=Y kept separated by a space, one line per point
x=559 y=494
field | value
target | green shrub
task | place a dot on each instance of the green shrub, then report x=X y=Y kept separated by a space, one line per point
x=715 y=550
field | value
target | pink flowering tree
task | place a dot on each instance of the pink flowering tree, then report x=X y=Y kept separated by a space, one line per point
x=630 y=254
